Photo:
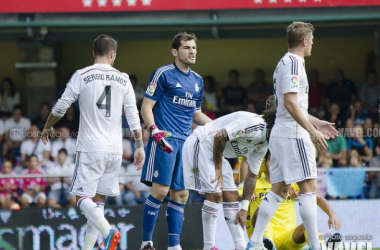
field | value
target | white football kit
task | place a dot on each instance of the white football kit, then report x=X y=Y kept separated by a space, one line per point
x=247 y=135
x=103 y=93
x=292 y=152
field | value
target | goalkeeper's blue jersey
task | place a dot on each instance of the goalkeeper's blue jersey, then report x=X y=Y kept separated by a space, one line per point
x=178 y=96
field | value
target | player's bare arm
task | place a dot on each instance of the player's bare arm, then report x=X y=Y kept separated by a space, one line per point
x=248 y=196
x=139 y=153
x=200 y=118
x=290 y=102
x=48 y=129
x=333 y=221
x=220 y=140
x=326 y=128
x=147 y=111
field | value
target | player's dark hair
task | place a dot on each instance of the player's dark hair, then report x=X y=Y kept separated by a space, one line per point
x=269 y=117
x=104 y=44
x=182 y=36
x=296 y=32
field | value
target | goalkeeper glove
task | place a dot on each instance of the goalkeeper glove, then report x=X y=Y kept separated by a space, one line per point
x=159 y=137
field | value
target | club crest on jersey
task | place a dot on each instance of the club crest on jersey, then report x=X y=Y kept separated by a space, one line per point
x=151 y=88
x=196 y=87
x=238 y=134
x=294 y=82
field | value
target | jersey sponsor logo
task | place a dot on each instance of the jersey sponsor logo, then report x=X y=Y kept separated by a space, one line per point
x=183 y=101
x=178 y=85
x=196 y=87
x=151 y=88
x=294 y=82
x=238 y=134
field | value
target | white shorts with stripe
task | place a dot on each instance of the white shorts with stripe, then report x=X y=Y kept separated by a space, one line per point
x=292 y=160
x=96 y=173
x=199 y=168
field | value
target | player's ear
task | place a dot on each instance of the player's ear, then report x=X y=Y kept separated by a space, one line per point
x=174 y=52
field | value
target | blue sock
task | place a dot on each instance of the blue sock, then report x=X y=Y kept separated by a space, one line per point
x=174 y=217
x=150 y=214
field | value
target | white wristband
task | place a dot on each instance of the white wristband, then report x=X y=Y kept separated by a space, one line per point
x=244 y=204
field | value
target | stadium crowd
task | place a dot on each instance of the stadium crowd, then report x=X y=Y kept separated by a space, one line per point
x=353 y=108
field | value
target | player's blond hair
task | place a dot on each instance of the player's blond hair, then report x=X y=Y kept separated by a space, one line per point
x=296 y=32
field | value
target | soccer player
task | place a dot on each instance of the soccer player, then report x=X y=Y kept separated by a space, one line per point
x=282 y=232
x=292 y=138
x=171 y=104
x=103 y=93
x=206 y=169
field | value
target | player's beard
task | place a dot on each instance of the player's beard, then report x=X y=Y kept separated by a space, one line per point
x=186 y=60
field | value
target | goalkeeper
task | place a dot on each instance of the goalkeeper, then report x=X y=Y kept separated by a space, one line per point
x=282 y=232
x=172 y=103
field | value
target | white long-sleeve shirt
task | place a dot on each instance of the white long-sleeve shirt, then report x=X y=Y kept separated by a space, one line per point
x=103 y=92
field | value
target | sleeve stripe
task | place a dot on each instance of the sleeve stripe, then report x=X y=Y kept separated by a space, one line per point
x=160 y=71
x=294 y=65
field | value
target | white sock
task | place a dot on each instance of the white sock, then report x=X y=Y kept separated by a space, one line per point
x=94 y=214
x=230 y=210
x=144 y=243
x=209 y=221
x=91 y=232
x=267 y=209
x=308 y=212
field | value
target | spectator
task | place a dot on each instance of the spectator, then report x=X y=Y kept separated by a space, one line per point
x=335 y=116
x=251 y=107
x=15 y=128
x=322 y=156
x=139 y=91
x=33 y=188
x=358 y=115
x=59 y=189
x=71 y=121
x=233 y=95
x=342 y=91
x=326 y=163
x=8 y=186
x=9 y=97
x=354 y=159
x=34 y=146
x=206 y=110
x=316 y=93
x=127 y=151
x=210 y=93
x=259 y=90
x=362 y=145
x=131 y=189
x=64 y=141
x=337 y=149
x=41 y=119
x=369 y=95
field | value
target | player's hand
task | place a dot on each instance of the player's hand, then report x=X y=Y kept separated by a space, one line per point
x=252 y=198
x=139 y=157
x=159 y=137
x=327 y=129
x=319 y=140
x=45 y=134
x=334 y=222
x=218 y=178
x=293 y=193
x=241 y=217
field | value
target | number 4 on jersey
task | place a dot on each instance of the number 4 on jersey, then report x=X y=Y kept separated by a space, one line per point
x=105 y=95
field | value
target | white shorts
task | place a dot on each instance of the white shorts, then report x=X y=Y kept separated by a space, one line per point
x=96 y=173
x=292 y=160
x=199 y=168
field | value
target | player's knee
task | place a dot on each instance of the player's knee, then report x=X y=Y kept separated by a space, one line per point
x=179 y=196
x=214 y=197
x=159 y=193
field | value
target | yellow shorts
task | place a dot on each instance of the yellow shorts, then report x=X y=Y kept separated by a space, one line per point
x=284 y=240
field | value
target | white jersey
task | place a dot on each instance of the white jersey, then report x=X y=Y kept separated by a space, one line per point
x=290 y=77
x=246 y=133
x=103 y=92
